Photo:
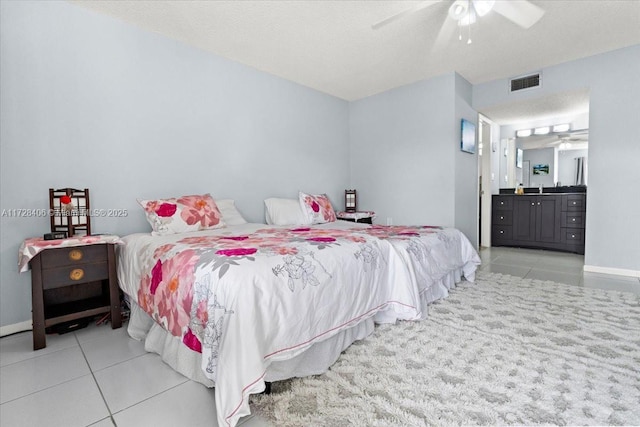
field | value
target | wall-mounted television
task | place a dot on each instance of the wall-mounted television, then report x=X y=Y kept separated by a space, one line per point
x=468 y=137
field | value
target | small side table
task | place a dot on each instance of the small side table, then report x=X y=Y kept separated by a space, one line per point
x=358 y=216
x=72 y=280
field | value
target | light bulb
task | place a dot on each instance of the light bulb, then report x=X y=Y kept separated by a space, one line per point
x=458 y=9
x=483 y=7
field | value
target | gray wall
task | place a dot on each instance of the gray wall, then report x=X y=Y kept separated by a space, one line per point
x=88 y=101
x=612 y=228
x=402 y=143
x=567 y=165
x=405 y=154
x=466 y=171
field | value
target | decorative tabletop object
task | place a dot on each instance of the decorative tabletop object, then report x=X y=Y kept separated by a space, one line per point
x=350 y=201
x=70 y=211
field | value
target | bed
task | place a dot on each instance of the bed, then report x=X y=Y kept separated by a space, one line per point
x=238 y=305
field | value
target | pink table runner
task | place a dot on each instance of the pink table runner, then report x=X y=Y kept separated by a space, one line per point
x=33 y=246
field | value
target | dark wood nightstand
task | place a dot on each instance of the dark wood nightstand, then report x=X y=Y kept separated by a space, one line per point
x=358 y=216
x=73 y=282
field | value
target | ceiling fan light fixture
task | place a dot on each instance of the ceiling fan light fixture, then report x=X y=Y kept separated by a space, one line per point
x=458 y=9
x=467 y=19
x=564 y=146
x=483 y=7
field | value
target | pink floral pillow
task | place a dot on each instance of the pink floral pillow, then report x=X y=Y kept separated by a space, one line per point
x=317 y=208
x=179 y=215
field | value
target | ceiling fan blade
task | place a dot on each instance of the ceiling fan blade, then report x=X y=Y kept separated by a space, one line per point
x=404 y=13
x=522 y=12
x=445 y=34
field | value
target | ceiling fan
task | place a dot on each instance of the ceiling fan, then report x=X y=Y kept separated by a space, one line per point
x=567 y=140
x=466 y=12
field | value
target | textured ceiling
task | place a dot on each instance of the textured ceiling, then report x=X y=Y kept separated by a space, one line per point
x=562 y=104
x=331 y=47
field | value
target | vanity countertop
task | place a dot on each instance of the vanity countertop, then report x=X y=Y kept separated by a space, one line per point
x=546 y=190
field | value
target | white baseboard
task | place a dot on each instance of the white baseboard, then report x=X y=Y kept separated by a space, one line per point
x=16 y=327
x=614 y=271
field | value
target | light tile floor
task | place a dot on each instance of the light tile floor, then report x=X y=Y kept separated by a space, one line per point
x=556 y=266
x=102 y=378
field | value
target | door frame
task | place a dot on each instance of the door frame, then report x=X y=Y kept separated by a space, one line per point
x=487 y=176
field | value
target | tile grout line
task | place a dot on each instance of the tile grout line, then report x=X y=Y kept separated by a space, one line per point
x=113 y=421
x=46 y=388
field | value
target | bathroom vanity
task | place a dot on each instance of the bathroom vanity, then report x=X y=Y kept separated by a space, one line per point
x=553 y=218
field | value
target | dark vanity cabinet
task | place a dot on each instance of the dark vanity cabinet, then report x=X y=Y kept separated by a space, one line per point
x=544 y=221
x=537 y=218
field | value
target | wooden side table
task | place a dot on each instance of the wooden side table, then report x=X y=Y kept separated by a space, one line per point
x=73 y=282
x=358 y=216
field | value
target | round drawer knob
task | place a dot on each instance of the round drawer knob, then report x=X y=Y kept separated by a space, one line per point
x=573 y=236
x=574 y=203
x=75 y=255
x=532 y=204
x=501 y=217
x=573 y=219
x=76 y=274
x=501 y=232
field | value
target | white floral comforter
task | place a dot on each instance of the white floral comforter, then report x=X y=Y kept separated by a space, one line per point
x=432 y=253
x=248 y=295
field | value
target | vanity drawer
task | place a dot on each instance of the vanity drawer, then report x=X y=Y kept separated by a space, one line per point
x=500 y=232
x=574 y=202
x=573 y=219
x=56 y=257
x=503 y=218
x=503 y=203
x=572 y=236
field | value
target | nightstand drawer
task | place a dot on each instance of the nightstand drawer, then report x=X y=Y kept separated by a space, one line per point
x=74 y=274
x=503 y=217
x=54 y=258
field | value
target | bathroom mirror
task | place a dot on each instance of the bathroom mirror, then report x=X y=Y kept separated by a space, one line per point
x=551 y=160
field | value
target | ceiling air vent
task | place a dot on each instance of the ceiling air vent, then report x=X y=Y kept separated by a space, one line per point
x=525 y=82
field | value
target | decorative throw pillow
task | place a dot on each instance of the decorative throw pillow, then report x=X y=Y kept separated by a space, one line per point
x=182 y=214
x=317 y=208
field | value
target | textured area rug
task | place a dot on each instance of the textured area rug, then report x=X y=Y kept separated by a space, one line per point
x=502 y=351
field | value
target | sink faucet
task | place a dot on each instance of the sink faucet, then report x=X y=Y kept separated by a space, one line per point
x=540 y=188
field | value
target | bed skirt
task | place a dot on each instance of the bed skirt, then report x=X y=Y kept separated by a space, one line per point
x=314 y=361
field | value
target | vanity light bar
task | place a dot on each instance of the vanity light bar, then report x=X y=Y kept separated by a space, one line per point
x=523 y=133
x=561 y=128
